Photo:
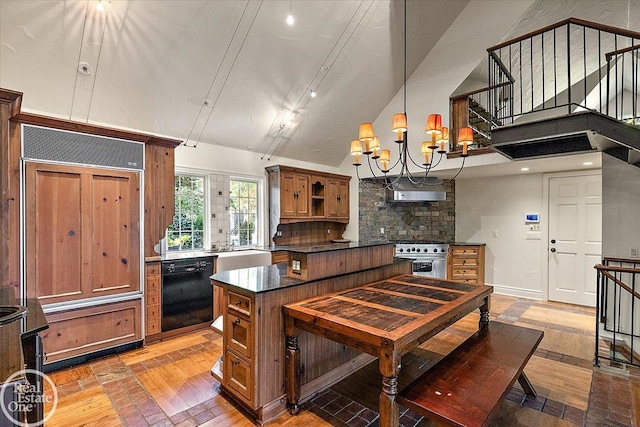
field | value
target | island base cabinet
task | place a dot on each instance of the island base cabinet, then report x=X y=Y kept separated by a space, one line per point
x=77 y=332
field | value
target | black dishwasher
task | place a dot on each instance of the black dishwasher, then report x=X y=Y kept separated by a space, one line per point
x=187 y=294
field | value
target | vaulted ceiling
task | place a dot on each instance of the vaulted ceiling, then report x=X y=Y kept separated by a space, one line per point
x=231 y=72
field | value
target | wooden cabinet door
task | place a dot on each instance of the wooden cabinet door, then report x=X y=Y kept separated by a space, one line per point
x=338 y=198
x=82 y=232
x=302 y=195
x=343 y=199
x=287 y=194
x=294 y=195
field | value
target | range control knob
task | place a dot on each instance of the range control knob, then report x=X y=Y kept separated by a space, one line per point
x=442 y=250
x=435 y=250
x=418 y=250
x=400 y=250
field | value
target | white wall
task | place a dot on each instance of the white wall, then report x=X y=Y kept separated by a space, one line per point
x=620 y=208
x=218 y=160
x=514 y=265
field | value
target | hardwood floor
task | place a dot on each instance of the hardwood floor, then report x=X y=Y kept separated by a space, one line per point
x=168 y=383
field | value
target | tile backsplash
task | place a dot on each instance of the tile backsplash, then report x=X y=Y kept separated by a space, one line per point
x=219 y=190
x=419 y=221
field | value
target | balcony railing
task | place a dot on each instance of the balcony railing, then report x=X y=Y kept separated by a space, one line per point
x=571 y=66
x=618 y=310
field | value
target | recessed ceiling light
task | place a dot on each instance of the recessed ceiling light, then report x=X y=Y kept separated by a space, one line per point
x=290 y=19
x=85 y=68
x=102 y=4
x=524 y=169
x=587 y=164
x=313 y=93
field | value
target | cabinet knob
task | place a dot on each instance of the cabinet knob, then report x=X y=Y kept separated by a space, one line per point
x=236 y=362
x=236 y=322
x=238 y=303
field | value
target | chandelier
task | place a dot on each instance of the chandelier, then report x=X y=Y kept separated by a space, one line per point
x=391 y=175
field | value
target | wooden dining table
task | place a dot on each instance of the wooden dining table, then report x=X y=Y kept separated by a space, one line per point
x=386 y=319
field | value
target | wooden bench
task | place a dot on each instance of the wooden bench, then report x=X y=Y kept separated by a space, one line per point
x=466 y=386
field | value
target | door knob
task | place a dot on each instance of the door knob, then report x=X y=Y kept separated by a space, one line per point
x=553 y=240
x=553 y=249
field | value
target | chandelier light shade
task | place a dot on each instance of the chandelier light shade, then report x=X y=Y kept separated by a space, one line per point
x=356 y=150
x=366 y=132
x=374 y=147
x=443 y=139
x=465 y=138
x=369 y=145
x=385 y=157
x=399 y=125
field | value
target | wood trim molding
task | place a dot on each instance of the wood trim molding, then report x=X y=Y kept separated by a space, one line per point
x=51 y=122
x=13 y=99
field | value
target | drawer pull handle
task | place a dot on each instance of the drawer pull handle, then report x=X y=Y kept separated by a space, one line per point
x=236 y=322
x=236 y=362
x=238 y=303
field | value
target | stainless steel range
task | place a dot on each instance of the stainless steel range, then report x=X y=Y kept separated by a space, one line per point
x=429 y=258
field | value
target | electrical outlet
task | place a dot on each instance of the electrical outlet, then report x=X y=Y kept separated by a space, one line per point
x=279 y=233
x=328 y=231
x=495 y=234
x=381 y=230
x=634 y=252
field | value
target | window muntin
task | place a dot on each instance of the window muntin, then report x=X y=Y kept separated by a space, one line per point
x=187 y=233
x=243 y=212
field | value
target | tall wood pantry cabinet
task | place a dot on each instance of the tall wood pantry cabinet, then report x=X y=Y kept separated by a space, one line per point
x=83 y=248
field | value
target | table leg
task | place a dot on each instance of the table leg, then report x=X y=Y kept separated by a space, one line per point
x=388 y=406
x=292 y=368
x=484 y=313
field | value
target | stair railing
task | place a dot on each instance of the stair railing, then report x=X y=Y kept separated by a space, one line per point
x=570 y=66
x=618 y=310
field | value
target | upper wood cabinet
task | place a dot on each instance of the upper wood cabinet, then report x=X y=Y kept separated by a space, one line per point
x=299 y=195
x=294 y=195
x=338 y=198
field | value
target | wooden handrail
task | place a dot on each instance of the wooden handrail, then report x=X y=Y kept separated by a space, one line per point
x=588 y=24
x=631 y=270
x=473 y=92
x=608 y=55
x=617 y=281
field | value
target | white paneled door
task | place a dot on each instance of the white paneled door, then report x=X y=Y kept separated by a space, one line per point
x=575 y=237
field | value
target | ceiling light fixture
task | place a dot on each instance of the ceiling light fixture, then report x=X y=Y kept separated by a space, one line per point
x=313 y=93
x=587 y=164
x=290 y=19
x=524 y=169
x=369 y=144
x=102 y=4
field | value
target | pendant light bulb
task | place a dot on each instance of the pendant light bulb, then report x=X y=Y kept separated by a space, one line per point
x=290 y=19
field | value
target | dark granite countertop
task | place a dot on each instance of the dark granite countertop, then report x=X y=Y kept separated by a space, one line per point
x=325 y=247
x=265 y=278
x=34 y=320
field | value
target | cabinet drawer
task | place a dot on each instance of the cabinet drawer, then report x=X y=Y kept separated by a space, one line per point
x=239 y=335
x=153 y=312
x=465 y=272
x=239 y=303
x=152 y=327
x=152 y=298
x=152 y=269
x=472 y=281
x=462 y=261
x=152 y=283
x=238 y=375
x=464 y=250
x=279 y=257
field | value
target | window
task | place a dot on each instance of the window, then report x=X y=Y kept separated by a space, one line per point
x=243 y=212
x=187 y=232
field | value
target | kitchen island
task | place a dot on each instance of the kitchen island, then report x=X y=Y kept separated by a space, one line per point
x=252 y=368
